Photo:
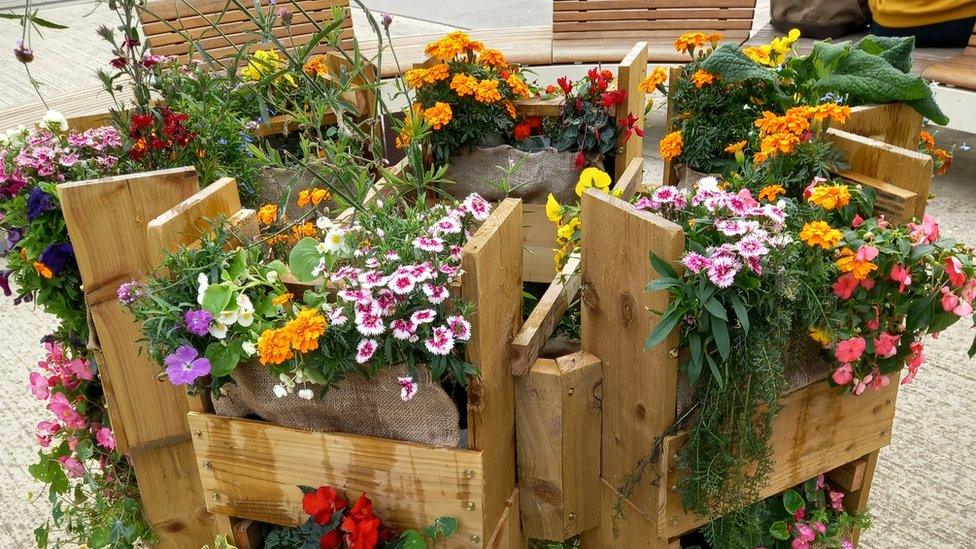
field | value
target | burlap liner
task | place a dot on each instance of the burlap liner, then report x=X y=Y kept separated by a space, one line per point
x=370 y=407
x=688 y=176
x=275 y=182
x=479 y=169
x=804 y=361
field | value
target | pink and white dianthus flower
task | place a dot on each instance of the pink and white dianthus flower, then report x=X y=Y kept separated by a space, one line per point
x=446 y=225
x=337 y=316
x=460 y=327
x=478 y=207
x=730 y=227
x=403 y=329
x=722 y=270
x=402 y=283
x=441 y=341
x=423 y=316
x=408 y=388
x=370 y=324
x=429 y=244
x=695 y=262
x=365 y=350
x=435 y=294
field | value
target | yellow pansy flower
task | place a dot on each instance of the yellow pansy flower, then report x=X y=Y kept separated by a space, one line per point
x=553 y=210
x=593 y=177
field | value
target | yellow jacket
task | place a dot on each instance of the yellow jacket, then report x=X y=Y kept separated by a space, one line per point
x=916 y=13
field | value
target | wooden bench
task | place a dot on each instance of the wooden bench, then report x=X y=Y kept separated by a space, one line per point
x=605 y=30
x=959 y=70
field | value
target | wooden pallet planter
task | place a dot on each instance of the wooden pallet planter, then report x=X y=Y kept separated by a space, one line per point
x=639 y=386
x=252 y=469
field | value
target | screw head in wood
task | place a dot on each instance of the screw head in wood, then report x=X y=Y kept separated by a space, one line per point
x=475 y=538
x=207 y=465
x=673 y=521
x=620 y=150
x=469 y=506
x=216 y=496
x=572 y=390
x=198 y=433
x=673 y=353
x=572 y=516
x=674 y=488
x=469 y=473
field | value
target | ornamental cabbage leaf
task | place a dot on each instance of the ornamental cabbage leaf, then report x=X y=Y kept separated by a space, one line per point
x=896 y=50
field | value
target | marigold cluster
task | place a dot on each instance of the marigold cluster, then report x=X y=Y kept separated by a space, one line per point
x=316 y=66
x=439 y=115
x=267 y=214
x=493 y=58
x=702 y=78
x=452 y=45
x=657 y=78
x=420 y=76
x=770 y=193
x=518 y=86
x=300 y=334
x=464 y=84
x=487 y=91
x=671 y=146
x=820 y=233
x=856 y=262
x=313 y=197
x=830 y=197
x=688 y=42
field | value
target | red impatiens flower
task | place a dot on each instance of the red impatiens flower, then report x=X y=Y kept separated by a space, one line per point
x=140 y=122
x=322 y=504
x=361 y=527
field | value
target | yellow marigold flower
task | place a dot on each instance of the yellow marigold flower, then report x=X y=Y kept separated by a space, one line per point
x=510 y=108
x=439 y=115
x=267 y=214
x=437 y=73
x=702 y=78
x=944 y=159
x=464 y=84
x=714 y=38
x=736 y=147
x=820 y=336
x=493 y=58
x=316 y=66
x=830 y=197
x=299 y=232
x=283 y=298
x=689 y=41
x=261 y=64
x=403 y=138
x=819 y=233
x=415 y=77
x=762 y=55
x=926 y=138
x=849 y=263
x=776 y=143
x=518 y=86
x=43 y=270
x=671 y=146
x=770 y=193
x=595 y=178
x=487 y=91
x=657 y=78
x=554 y=212
x=306 y=329
x=313 y=196
x=274 y=347
x=452 y=45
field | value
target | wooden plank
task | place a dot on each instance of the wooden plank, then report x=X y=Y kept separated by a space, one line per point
x=558 y=421
x=670 y=168
x=631 y=528
x=508 y=533
x=894 y=123
x=609 y=46
x=535 y=106
x=538 y=244
x=594 y=5
x=896 y=204
x=652 y=14
x=544 y=318
x=630 y=180
x=492 y=282
x=857 y=501
x=630 y=73
x=167 y=10
x=106 y=220
x=803 y=444
x=850 y=476
x=908 y=169
x=638 y=385
x=591 y=27
x=252 y=469
x=247 y=534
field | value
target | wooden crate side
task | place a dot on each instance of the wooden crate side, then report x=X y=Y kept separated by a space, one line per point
x=558 y=426
x=817 y=430
x=630 y=528
x=252 y=469
x=492 y=281
x=908 y=169
x=183 y=224
x=857 y=501
x=508 y=533
x=538 y=244
x=893 y=123
x=544 y=318
x=898 y=205
x=630 y=73
x=638 y=385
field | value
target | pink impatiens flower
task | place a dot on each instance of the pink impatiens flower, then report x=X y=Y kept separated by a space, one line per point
x=953 y=269
x=66 y=412
x=72 y=467
x=39 y=386
x=850 y=350
x=926 y=232
x=914 y=361
x=105 y=438
x=844 y=286
x=843 y=375
x=902 y=275
x=886 y=345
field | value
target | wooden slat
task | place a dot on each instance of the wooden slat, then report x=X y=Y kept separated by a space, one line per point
x=508 y=533
x=803 y=444
x=593 y=5
x=538 y=243
x=896 y=204
x=630 y=528
x=609 y=46
x=857 y=501
x=106 y=220
x=190 y=19
x=220 y=47
x=184 y=223
x=670 y=168
x=492 y=282
x=630 y=73
x=850 y=476
x=653 y=14
x=169 y=10
x=894 y=123
x=639 y=385
x=630 y=180
x=545 y=316
x=540 y=107
x=252 y=469
x=558 y=418
x=594 y=27
x=958 y=71
x=908 y=169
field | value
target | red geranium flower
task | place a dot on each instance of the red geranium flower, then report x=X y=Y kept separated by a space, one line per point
x=580 y=160
x=361 y=527
x=565 y=84
x=322 y=504
x=522 y=130
x=330 y=540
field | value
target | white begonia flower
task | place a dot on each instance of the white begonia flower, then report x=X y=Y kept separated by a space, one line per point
x=319 y=269
x=249 y=348
x=286 y=380
x=202 y=285
x=218 y=330
x=54 y=121
x=272 y=276
x=228 y=318
x=334 y=241
x=280 y=391
x=16 y=136
x=324 y=223
x=708 y=184
x=306 y=393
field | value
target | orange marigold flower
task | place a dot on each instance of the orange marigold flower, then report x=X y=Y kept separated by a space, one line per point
x=274 y=347
x=306 y=329
x=776 y=143
x=452 y=45
x=437 y=73
x=830 y=197
x=316 y=66
x=464 y=84
x=267 y=214
x=657 y=78
x=299 y=232
x=671 y=146
x=702 y=78
x=510 y=108
x=736 y=147
x=313 y=196
x=770 y=193
x=487 y=91
x=849 y=262
x=43 y=270
x=415 y=77
x=689 y=41
x=518 y=86
x=944 y=161
x=438 y=115
x=403 y=138
x=714 y=38
x=283 y=298
x=926 y=138
x=819 y=233
x=493 y=58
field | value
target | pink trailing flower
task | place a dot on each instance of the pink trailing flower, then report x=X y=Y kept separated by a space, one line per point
x=914 y=361
x=39 y=386
x=408 y=388
x=365 y=350
x=105 y=438
x=901 y=275
x=836 y=500
x=850 y=350
x=844 y=286
x=953 y=269
x=926 y=232
x=886 y=345
x=857 y=221
x=46 y=430
x=65 y=412
x=843 y=374
x=72 y=467
x=952 y=303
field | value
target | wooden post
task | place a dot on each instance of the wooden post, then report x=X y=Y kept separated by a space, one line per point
x=639 y=385
x=106 y=221
x=492 y=281
x=632 y=70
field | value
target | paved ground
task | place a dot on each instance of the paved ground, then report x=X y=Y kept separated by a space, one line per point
x=926 y=481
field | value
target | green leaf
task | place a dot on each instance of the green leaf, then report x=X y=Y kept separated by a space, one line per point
x=779 y=531
x=410 y=539
x=929 y=109
x=46 y=24
x=217 y=297
x=223 y=358
x=867 y=78
x=237 y=265
x=792 y=501
x=729 y=63
x=446 y=526
x=919 y=314
x=694 y=367
x=720 y=331
x=715 y=371
x=304 y=258
x=662 y=267
x=896 y=50
x=664 y=283
x=715 y=307
x=741 y=312
x=664 y=327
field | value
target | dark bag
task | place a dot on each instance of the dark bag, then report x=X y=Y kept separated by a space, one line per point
x=820 y=19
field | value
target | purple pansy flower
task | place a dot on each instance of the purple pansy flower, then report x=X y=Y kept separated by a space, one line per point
x=184 y=366
x=57 y=256
x=198 y=321
x=13 y=237
x=38 y=202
